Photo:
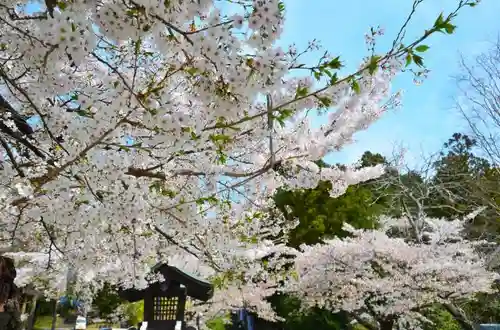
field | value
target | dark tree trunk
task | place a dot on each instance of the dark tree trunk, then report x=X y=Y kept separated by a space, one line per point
x=386 y=324
x=54 y=314
x=31 y=317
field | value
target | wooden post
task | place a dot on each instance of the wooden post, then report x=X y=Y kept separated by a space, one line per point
x=31 y=317
x=54 y=314
x=23 y=310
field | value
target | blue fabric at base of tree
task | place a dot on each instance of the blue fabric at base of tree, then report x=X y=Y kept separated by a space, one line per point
x=244 y=321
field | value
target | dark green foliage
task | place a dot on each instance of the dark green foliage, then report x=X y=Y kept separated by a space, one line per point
x=314 y=318
x=370 y=159
x=321 y=216
x=107 y=300
x=134 y=312
x=469 y=181
x=44 y=307
x=484 y=309
x=442 y=319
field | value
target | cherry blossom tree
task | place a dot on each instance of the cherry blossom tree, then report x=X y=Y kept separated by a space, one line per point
x=385 y=280
x=163 y=129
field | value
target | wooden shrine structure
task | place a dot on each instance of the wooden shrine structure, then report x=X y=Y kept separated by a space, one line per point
x=165 y=302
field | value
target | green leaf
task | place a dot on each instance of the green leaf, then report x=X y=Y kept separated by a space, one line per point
x=334 y=79
x=282 y=115
x=325 y=101
x=194 y=136
x=449 y=28
x=220 y=138
x=131 y=12
x=422 y=48
x=408 y=59
x=138 y=44
x=439 y=21
x=84 y=113
x=281 y=6
x=192 y=71
x=317 y=75
x=210 y=199
x=62 y=5
x=327 y=72
x=335 y=63
x=301 y=92
x=373 y=65
x=221 y=158
x=418 y=60
x=286 y=113
x=355 y=86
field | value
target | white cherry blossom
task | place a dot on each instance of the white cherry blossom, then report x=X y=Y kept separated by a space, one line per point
x=163 y=129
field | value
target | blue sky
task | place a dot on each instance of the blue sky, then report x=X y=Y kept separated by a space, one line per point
x=426 y=118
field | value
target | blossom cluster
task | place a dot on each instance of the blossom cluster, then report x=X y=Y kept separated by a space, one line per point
x=152 y=127
x=391 y=277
